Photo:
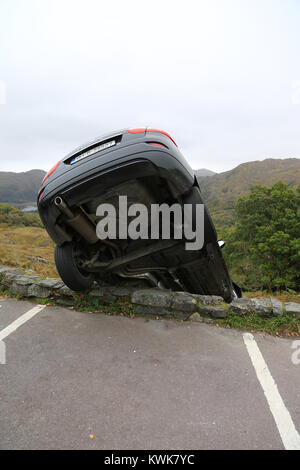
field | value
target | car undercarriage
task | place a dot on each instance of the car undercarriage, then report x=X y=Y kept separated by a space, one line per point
x=147 y=175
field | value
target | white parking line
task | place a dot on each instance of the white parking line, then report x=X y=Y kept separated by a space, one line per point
x=20 y=321
x=282 y=417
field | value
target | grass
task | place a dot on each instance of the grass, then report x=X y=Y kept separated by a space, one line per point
x=285 y=325
x=92 y=304
x=19 y=242
x=285 y=296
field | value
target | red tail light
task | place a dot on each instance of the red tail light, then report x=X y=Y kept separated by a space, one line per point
x=162 y=132
x=50 y=172
x=141 y=130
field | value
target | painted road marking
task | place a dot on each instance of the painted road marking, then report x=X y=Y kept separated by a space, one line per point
x=20 y=321
x=281 y=415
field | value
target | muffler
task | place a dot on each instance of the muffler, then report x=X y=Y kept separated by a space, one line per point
x=78 y=221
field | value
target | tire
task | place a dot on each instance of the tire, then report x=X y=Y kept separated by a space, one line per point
x=194 y=197
x=66 y=266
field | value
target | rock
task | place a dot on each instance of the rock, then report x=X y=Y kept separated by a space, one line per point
x=64 y=290
x=184 y=302
x=277 y=306
x=38 y=291
x=208 y=321
x=122 y=291
x=4 y=269
x=150 y=310
x=262 y=306
x=50 y=284
x=292 y=308
x=153 y=297
x=7 y=281
x=149 y=301
x=241 y=306
x=23 y=280
x=20 y=285
x=104 y=293
x=161 y=312
x=45 y=243
x=65 y=301
x=37 y=259
x=196 y=317
x=208 y=299
x=100 y=291
x=215 y=312
x=19 y=289
x=11 y=272
x=30 y=272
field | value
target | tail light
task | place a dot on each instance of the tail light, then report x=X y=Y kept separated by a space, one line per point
x=141 y=130
x=50 y=172
x=161 y=132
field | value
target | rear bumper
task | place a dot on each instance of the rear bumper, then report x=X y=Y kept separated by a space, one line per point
x=77 y=184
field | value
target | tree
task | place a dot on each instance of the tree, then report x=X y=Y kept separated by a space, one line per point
x=267 y=235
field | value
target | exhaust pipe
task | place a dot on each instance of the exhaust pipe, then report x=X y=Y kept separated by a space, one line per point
x=78 y=221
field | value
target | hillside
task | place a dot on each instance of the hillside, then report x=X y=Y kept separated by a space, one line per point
x=221 y=190
x=204 y=172
x=20 y=188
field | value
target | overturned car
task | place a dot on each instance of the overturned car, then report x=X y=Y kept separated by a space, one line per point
x=145 y=168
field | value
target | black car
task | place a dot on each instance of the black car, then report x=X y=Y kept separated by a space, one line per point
x=146 y=166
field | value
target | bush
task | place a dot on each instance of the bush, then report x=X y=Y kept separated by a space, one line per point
x=12 y=216
x=263 y=247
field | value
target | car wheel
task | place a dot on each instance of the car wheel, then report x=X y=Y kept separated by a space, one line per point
x=68 y=270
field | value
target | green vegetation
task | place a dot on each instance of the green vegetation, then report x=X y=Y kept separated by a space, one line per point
x=14 y=217
x=92 y=304
x=263 y=247
x=285 y=325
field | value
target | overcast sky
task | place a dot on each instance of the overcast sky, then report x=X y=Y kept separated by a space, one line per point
x=217 y=74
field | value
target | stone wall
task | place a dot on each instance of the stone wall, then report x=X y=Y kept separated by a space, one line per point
x=153 y=301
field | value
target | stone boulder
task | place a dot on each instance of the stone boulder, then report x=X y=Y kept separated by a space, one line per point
x=292 y=308
x=154 y=297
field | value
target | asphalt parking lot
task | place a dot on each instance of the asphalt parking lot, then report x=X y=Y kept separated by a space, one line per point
x=91 y=381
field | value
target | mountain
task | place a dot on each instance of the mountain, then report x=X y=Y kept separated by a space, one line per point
x=20 y=189
x=204 y=172
x=221 y=191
